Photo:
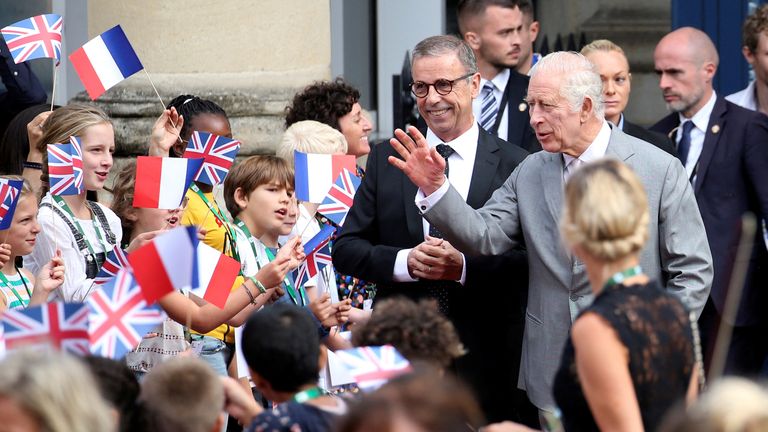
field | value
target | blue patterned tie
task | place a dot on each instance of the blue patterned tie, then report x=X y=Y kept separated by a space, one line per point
x=684 y=146
x=488 y=108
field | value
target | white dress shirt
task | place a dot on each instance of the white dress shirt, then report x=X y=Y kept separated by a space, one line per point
x=499 y=85
x=746 y=98
x=700 y=122
x=461 y=166
x=595 y=151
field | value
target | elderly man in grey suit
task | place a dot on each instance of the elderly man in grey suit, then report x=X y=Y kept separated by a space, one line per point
x=564 y=96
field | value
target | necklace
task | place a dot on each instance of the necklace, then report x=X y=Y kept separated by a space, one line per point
x=621 y=276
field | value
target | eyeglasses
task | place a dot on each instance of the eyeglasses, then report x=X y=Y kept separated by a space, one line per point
x=420 y=89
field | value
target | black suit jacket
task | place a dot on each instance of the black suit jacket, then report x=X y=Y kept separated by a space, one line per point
x=488 y=311
x=731 y=179
x=519 y=129
x=659 y=140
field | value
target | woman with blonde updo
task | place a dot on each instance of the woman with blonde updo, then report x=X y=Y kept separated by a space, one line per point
x=631 y=354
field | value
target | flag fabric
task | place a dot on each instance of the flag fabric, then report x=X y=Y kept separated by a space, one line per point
x=373 y=366
x=104 y=61
x=2 y=341
x=35 y=37
x=217 y=152
x=318 y=252
x=315 y=174
x=213 y=275
x=61 y=325
x=10 y=190
x=165 y=263
x=339 y=200
x=65 y=168
x=162 y=182
x=116 y=261
x=120 y=317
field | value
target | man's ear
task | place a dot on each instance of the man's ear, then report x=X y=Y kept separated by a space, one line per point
x=241 y=198
x=533 y=29
x=749 y=56
x=473 y=40
x=586 y=109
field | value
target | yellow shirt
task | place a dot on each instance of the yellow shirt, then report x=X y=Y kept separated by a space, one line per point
x=197 y=213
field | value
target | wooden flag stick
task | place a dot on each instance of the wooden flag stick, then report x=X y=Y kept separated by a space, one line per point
x=733 y=298
x=161 y=103
x=53 y=91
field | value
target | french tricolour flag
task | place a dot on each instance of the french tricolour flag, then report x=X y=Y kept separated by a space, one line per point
x=315 y=174
x=104 y=61
x=162 y=182
x=165 y=263
x=213 y=275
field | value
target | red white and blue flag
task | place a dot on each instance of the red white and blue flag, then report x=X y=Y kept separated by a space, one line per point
x=65 y=168
x=218 y=154
x=166 y=263
x=104 y=61
x=120 y=316
x=213 y=275
x=318 y=252
x=373 y=366
x=116 y=261
x=10 y=190
x=339 y=200
x=61 y=325
x=162 y=182
x=35 y=37
x=315 y=173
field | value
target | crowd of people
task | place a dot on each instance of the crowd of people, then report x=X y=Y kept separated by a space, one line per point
x=541 y=261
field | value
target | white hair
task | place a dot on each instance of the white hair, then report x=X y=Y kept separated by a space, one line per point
x=581 y=79
x=309 y=136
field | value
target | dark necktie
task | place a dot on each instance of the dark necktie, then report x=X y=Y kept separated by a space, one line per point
x=438 y=289
x=684 y=146
x=445 y=151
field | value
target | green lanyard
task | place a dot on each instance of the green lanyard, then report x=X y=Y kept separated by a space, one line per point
x=621 y=276
x=302 y=296
x=308 y=395
x=7 y=283
x=251 y=240
x=63 y=204
x=229 y=236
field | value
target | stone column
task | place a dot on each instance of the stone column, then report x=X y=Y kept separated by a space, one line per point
x=250 y=57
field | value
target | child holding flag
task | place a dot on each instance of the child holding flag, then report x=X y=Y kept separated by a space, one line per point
x=18 y=288
x=85 y=231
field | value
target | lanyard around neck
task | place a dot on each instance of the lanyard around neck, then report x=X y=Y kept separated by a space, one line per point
x=63 y=204
x=229 y=236
x=251 y=240
x=621 y=276
x=308 y=395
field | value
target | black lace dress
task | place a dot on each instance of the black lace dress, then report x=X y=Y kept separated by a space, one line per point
x=654 y=326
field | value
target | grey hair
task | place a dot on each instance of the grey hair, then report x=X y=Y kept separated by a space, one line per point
x=55 y=388
x=581 y=79
x=436 y=46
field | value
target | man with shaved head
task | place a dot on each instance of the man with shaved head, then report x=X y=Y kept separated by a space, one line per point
x=724 y=148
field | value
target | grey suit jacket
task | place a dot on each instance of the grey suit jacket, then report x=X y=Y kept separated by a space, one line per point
x=527 y=208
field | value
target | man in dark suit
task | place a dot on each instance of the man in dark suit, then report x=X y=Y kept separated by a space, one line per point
x=501 y=34
x=385 y=240
x=725 y=152
x=613 y=67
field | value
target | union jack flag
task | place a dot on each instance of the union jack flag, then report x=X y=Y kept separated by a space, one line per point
x=374 y=365
x=116 y=260
x=318 y=252
x=61 y=325
x=218 y=153
x=336 y=204
x=120 y=316
x=65 y=168
x=35 y=37
x=9 y=194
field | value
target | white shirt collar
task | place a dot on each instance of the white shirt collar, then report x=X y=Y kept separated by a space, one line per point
x=462 y=145
x=701 y=118
x=597 y=149
x=499 y=81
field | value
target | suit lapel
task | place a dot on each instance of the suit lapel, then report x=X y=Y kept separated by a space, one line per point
x=617 y=145
x=412 y=217
x=711 y=139
x=484 y=170
x=551 y=175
